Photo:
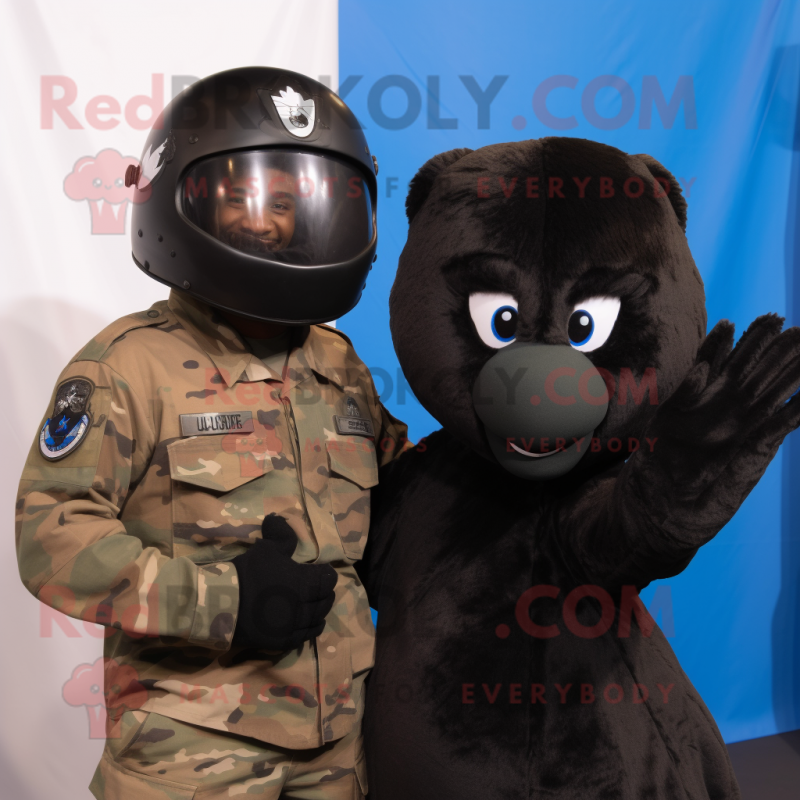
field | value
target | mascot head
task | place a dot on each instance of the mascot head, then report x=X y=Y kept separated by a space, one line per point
x=546 y=300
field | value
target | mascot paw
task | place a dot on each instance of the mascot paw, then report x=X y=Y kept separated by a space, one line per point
x=718 y=432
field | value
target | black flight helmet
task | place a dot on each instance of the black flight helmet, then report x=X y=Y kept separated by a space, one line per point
x=257 y=194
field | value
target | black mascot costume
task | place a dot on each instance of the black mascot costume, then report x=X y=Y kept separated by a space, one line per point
x=548 y=312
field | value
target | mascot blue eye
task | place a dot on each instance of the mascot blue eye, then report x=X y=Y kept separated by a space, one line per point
x=581 y=327
x=591 y=322
x=504 y=324
x=495 y=317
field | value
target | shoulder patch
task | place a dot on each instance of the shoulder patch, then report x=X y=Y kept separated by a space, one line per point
x=70 y=421
x=70 y=438
x=96 y=348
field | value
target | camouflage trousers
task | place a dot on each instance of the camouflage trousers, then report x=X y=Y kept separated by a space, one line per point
x=158 y=758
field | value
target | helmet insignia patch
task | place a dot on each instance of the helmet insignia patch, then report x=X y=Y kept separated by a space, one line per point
x=296 y=113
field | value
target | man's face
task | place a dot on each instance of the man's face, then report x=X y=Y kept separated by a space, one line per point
x=257 y=214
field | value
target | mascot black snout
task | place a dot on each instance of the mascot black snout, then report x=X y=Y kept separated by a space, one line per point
x=539 y=405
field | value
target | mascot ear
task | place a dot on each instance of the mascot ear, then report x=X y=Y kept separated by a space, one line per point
x=421 y=183
x=669 y=185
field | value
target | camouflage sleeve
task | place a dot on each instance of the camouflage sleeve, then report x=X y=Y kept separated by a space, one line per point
x=74 y=552
x=391 y=435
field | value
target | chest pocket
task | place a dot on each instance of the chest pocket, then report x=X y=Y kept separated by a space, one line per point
x=217 y=497
x=354 y=469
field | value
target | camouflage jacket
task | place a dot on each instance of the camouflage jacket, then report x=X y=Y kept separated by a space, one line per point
x=164 y=446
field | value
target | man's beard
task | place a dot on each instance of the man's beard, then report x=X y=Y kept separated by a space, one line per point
x=247 y=243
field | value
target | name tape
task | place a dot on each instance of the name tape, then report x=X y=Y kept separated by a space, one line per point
x=354 y=425
x=216 y=422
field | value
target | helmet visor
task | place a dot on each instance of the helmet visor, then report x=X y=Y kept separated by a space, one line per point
x=303 y=209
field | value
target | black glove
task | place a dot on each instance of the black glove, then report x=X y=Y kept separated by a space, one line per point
x=721 y=428
x=709 y=443
x=281 y=603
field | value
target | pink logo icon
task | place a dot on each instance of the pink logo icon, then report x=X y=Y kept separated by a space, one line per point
x=107 y=689
x=100 y=180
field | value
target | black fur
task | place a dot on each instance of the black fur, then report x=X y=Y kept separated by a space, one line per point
x=421 y=183
x=456 y=539
x=671 y=187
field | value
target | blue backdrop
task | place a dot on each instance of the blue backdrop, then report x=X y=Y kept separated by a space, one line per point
x=713 y=95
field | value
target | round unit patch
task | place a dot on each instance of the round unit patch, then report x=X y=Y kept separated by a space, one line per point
x=67 y=427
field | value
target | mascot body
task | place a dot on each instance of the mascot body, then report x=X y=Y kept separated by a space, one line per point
x=548 y=312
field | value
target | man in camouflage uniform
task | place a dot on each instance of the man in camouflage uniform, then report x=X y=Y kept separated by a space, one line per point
x=135 y=529
x=166 y=445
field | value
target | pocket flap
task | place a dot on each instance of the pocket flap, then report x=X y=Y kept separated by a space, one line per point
x=219 y=462
x=354 y=460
